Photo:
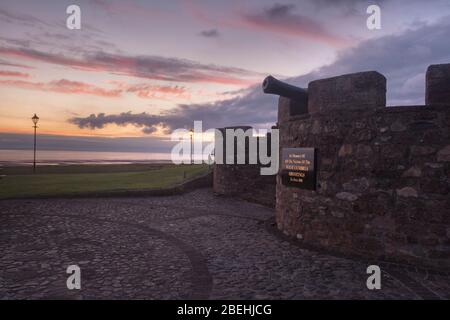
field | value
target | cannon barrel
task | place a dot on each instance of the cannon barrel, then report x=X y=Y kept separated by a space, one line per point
x=298 y=97
x=275 y=86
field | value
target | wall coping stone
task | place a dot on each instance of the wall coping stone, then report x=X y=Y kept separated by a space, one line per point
x=361 y=90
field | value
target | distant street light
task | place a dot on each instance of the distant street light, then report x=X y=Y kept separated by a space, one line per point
x=191 y=133
x=35 y=121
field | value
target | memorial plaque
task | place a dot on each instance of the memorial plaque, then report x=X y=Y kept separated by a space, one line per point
x=299 y=168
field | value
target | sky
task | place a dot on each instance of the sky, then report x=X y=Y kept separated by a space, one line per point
x=137 y=70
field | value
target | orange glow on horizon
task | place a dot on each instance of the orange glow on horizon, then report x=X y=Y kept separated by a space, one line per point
x=9 y=130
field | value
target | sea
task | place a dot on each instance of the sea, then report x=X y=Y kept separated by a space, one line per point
x=51 y=157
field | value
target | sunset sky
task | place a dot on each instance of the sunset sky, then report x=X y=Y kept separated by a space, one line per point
x=139 y=69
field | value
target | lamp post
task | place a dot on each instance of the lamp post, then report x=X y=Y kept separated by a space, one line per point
x=35 y=120
x=191 y=133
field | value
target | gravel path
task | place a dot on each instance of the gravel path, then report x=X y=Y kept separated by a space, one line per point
x=191 y=246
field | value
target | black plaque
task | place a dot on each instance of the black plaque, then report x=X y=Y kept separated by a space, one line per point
x=299 y=168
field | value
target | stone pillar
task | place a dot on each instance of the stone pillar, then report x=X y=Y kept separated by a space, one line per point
x=356 y=91
x=283 y=109
x=243 y=180
x=288 y=108
x=437 y=91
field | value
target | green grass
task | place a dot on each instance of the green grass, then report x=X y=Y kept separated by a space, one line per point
x=20 y=185
x=84 y=168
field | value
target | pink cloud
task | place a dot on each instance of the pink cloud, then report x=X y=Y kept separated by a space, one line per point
x=16 y=65
x=148 y=67
x=143 y=90
x=5 y=73
x=63 y=86
x=280 y=19
x=158 y=92
x=297 y=25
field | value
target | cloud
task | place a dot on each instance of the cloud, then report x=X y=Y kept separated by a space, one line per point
x=17 y=65
x=99 y=121
x=279 y=11
x=346 y=7
x=127 y=9
x=402 y=58
x=279 y=19
x=5 y=73
x=16 y=42
x=283 y=19
x=145 y=90
x=249 y=109
x=148 y=67
x=22 y=19
x=142 y=90
x=31 y=21
x=212 y=33
x=63 y=86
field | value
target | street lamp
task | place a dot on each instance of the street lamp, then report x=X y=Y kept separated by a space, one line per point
x=191 y=133
x=35 y=120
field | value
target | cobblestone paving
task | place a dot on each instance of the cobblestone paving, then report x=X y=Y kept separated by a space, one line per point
x=191 y=246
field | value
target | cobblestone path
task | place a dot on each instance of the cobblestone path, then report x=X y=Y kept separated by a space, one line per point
x=191 y=246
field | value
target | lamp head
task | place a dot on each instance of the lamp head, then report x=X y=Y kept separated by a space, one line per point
x=35 y=119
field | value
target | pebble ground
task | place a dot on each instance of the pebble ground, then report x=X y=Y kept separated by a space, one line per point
x=191 y=246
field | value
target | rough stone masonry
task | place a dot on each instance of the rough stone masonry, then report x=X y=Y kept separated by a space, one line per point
x=383 y=172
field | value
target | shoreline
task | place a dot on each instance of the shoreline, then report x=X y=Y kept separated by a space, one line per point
x=16 y=157
x=26 y=163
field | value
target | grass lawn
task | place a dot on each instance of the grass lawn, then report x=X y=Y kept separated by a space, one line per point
x=84 y=168
x=23 y=185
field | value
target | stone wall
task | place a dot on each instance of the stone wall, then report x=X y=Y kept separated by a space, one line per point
x=244 y=181
x=383 y=172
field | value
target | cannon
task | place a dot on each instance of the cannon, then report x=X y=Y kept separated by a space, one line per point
x=298 y=96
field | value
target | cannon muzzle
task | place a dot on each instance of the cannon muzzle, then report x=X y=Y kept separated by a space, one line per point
x=298 y=96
